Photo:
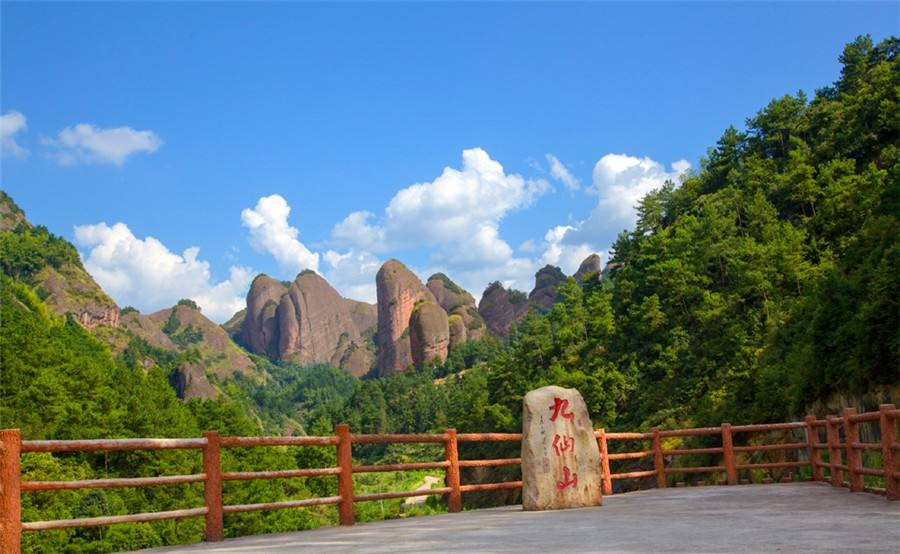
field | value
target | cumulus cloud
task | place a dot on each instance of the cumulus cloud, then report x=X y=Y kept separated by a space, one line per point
x=567 y=257
x=620 y=181
x=457 y=216
x=144 y=273
x=270 y=232
x=87 y=143
x=11 y=123
x=560 y=172
x=352 y=273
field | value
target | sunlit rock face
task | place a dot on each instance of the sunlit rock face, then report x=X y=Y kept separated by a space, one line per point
x=398 y=291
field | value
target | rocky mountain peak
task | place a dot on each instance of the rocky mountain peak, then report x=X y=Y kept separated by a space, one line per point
x=589 y=268
x=398 y=291
x=546 y=282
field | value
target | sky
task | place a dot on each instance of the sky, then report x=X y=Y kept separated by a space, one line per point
x=186 y=147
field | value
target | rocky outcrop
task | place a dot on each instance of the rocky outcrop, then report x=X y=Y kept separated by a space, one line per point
x=142 y=326
x=502 y=308
x=458 y=332
x=589 y=269
x=308 y=322
x=546 y=282
x=315 y=323
x=189 y=381
x=457 y=301
x=398 y=291
x=610 y=268
x=11 y=216
x=429 y=333
x=189 y=329
x=364 y=315
x=72 y=290
x=259 y=331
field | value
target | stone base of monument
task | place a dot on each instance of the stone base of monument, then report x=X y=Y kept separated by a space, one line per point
x=560 y=456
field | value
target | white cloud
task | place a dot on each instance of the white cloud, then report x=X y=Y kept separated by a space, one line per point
x=144 y=273
x=622 y=181
x=560 y=172
x=567 y=257
x=90 y=144
x=11 y=123
x=457 y=216
x=271 y=233
x=353 y=273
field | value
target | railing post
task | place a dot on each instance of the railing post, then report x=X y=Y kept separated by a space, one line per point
x=10 y=491
x=345 y=477
x=212 y=489
x=890 y=457
x=728 y=455
x=658 y=463
x=812 y=435
x=834 y=453
x=605 y=479
x=451 y=452
x=854 y=456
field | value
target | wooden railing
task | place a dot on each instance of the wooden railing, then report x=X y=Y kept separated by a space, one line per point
x=11 y=448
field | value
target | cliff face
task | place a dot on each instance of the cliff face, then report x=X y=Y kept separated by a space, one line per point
x=259 y=330
x=187 y=328
x=589 y=269
x=546 y=281
x=429 y=333
x=456 y=301
x=308 y=323
x=398 y=291
x=501 y=308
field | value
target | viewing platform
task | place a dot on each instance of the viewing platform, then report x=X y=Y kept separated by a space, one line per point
x=788 y=517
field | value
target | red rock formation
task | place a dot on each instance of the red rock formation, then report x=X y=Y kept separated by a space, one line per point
x=259 y=331
x=501 y=308
x=546 y=282
x=308 y=323
x=398 y=292
x=589 y=268
x=457 y=301
x=429 y=333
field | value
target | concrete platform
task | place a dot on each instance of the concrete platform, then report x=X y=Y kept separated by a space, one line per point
x=793 y=517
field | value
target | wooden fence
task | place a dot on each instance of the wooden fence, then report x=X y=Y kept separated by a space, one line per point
x=844 y=458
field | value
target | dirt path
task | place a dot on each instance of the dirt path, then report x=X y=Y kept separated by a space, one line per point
x=429 y=482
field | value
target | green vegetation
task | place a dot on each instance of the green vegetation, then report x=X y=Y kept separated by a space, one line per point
x=767 y=281
x=26 y=250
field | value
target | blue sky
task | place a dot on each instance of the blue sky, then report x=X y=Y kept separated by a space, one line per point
x=155 y=135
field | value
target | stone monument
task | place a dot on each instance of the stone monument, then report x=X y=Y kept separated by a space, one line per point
x=560 y=456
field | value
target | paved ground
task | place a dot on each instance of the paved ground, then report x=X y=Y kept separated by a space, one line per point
x=801 y=517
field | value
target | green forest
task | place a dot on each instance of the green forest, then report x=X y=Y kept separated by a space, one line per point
x=764 y=284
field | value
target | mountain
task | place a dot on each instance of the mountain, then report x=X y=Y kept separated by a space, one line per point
x=52 y=266
x=308 y=322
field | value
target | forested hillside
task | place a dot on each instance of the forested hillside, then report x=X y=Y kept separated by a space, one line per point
x=764 y=283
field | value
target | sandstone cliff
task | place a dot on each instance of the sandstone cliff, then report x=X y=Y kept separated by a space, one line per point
x=429 y=333
x=546 y=282
x=456 y=301
x=259 y=331
x=501 y=308
x=398 y=291
x=589 y=268
x=308 y=322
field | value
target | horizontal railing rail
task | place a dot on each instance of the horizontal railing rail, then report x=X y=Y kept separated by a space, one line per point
x=841 y=443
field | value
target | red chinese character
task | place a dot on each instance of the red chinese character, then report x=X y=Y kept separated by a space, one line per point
x=567 y=479
x=568 y=443
x=560 y=405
